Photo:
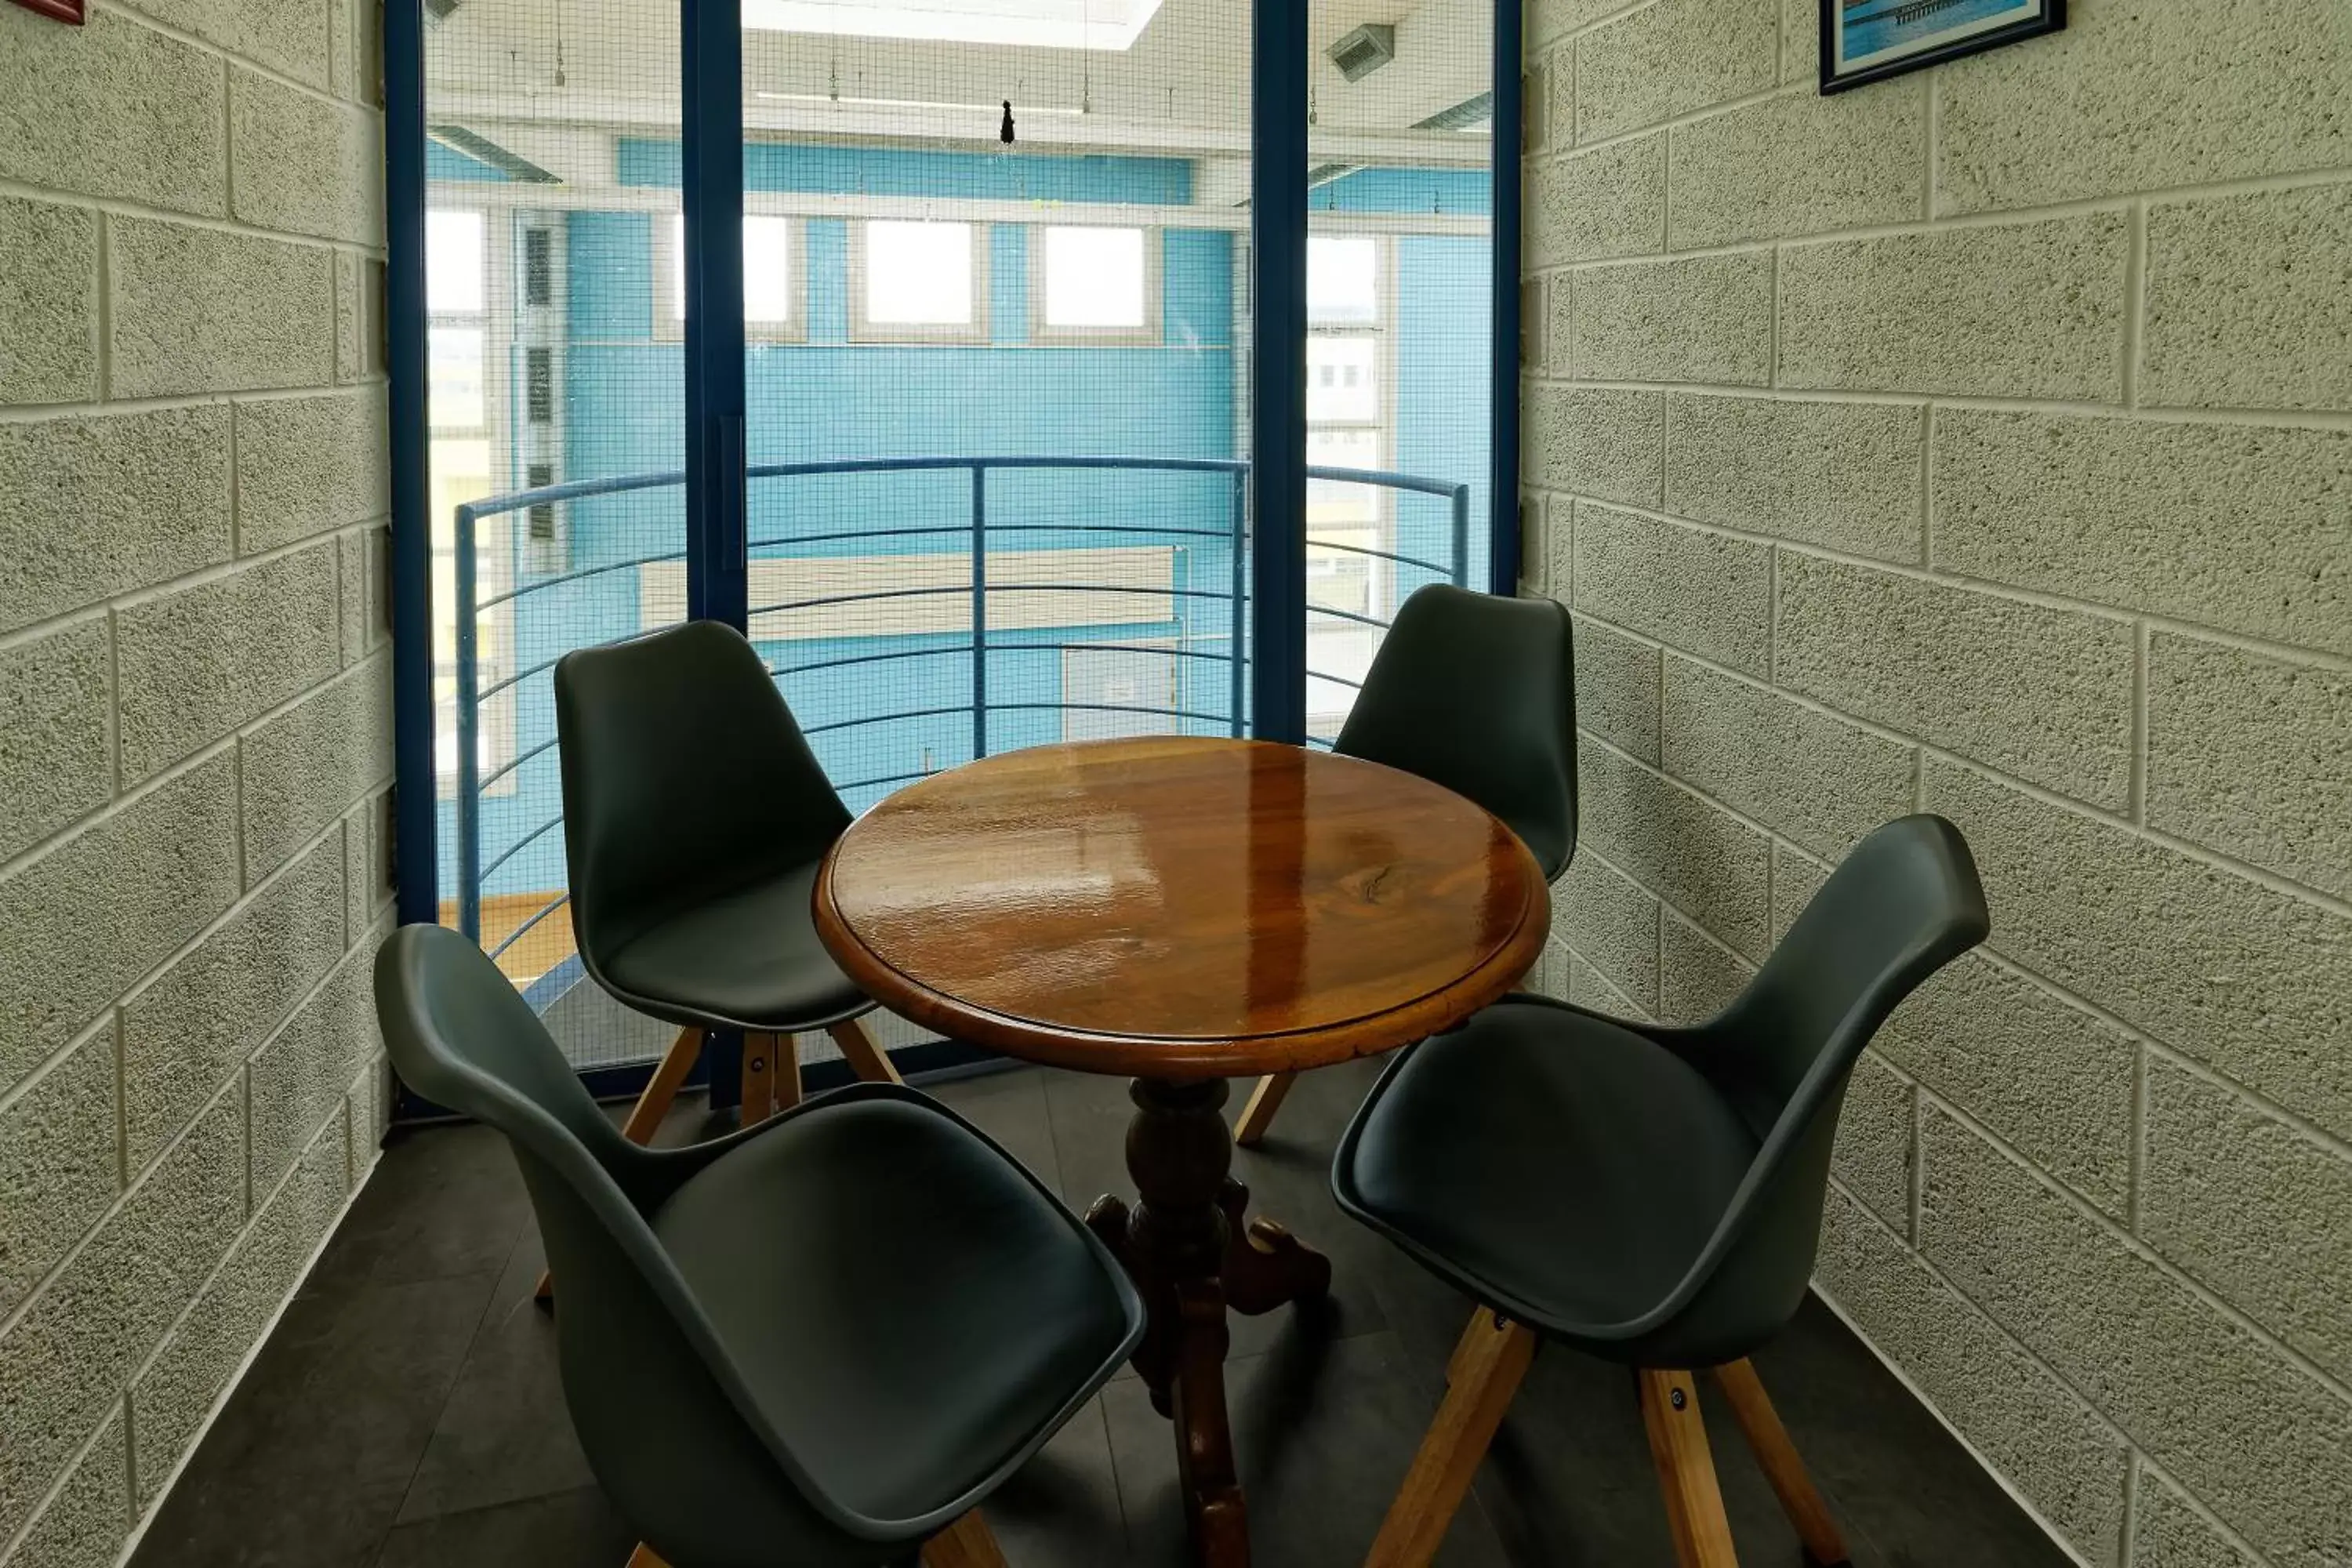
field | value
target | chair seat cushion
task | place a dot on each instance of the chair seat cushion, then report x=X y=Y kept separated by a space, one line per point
x=907 y=1305
x=748 y=959
x=1546 y=1162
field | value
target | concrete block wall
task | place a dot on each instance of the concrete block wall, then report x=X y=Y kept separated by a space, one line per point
x=1981 y=441
x=195 y=736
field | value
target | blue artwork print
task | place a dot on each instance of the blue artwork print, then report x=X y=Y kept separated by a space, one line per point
x=1868 y=39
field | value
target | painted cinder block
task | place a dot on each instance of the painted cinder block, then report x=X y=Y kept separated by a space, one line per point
x=1686 y=849
x=1841 y=475
x=1599 y=442
x=1872 y=1159
x=289 y=36
x=301 y=769
x=1672 y=59
x=2251 y=981
x=1799 y=163
x=2043 y=693
x=2166 y=1532
x=303 y=165
x=2053 y=1081
x=1548 y=21
x=93 y=914
x=2255 y=1209
x=201 y=310
x=308 y=465
x=85 y=1524
x=2251 y=757
x=1697 y=976
x=2025 y=309
x=54 y=762
x=2248 y=90
x=1589 y=989
x=2031 y=1426
x=49 y=297
x=1796 y=878
x=176 y=1390
x=186 y=1032
x=193 y=663
x=2261 y=1442
x=2241 y=527
x=1617 y=689
x=1797 y=769
x=302 y=1073
x=64 y=1362
x=1591 y=206
x=58 y=1168
x=1697 y=319
x=2250 y=301
x=112 y=109
x=1611 y=921
x=1706 y=593
x=106 y=504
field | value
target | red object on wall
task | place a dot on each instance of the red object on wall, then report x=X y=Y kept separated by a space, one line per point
x=66 y=11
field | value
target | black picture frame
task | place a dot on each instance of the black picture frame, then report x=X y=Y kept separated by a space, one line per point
x=2049 y=17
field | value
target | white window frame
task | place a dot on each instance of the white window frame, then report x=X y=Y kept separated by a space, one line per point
x=669 y=259
x=1146 y=335
x=865 y=331
x=495 y=320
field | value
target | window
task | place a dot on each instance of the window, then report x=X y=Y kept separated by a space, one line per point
x=1096 y=284
x=454 y=276
x=1343 y=279
x=915 y=279
x=772 y=278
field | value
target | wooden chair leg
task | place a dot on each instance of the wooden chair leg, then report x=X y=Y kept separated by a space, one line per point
x=1483 y=1324
x=1799 y=1499
x=646 y=1116
x=869 y=1060
x=966 y=1544
x=646 y=1557
x=1487 y=1371
x=759 y=1076
x=787 y=1081
x=1685 y=1471
x=1258 y=1114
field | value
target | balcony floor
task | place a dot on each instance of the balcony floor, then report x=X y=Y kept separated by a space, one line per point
x=407 y=1409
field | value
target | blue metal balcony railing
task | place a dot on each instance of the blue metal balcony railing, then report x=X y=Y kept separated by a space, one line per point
x=473 y=873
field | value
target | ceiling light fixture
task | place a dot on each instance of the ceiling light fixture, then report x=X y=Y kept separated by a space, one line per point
x=909 y=103
x=1044 y=24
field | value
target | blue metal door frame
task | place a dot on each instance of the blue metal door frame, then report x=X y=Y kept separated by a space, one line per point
x=1279 y=165
x=415 y=865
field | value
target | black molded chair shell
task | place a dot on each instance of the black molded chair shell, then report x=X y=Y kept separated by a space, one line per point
x=1654 y=1194
x=1478 y=692
x=694 y=818
x=759 y=1372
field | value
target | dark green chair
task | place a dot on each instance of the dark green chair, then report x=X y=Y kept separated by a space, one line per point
x=759 y=1371
x=695 y=816
x=1475 y=692
x=1648 y=1194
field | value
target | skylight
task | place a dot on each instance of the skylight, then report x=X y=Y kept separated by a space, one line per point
x=1044 y=24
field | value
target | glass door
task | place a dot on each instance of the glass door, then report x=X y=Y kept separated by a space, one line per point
x=557 y=423
x=1399 y=325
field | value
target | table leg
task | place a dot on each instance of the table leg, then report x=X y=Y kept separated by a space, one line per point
x=1191 y=1255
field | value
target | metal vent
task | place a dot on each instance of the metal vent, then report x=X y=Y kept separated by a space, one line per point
x=542 y=513
x=537 y=267
x=539 y=385
x=1364 y=51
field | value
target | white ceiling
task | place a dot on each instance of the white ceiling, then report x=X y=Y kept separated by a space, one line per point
x=1181 y=86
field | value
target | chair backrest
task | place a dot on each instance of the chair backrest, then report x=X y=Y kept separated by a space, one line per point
x=662 y=1413
x=685 y=777
x=1904 y=903
x=1478 y=692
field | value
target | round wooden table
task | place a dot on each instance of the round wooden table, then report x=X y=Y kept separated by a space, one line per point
x=1184 y=910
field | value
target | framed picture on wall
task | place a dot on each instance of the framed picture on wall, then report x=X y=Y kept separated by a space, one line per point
x=1868 y=40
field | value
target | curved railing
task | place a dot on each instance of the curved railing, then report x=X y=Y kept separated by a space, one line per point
x=473 y=873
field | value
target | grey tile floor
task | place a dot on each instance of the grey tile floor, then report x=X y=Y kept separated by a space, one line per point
x=406 y=1412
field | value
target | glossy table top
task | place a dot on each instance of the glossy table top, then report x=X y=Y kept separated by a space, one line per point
x=1181 y=907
